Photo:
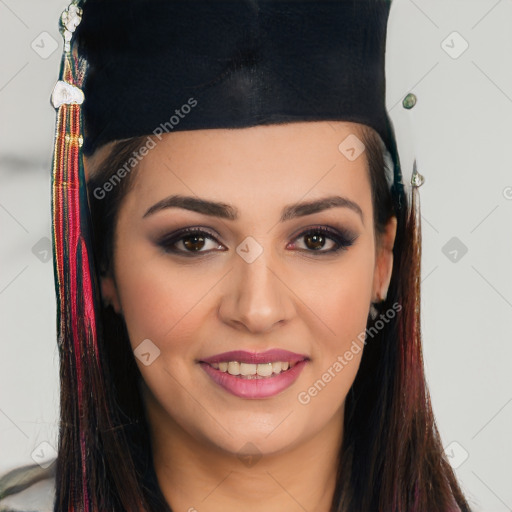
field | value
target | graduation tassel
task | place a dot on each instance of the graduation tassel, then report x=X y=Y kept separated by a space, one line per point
x=417 y=180
x=72 y=258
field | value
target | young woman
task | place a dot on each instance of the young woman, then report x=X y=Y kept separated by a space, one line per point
x=256 y=258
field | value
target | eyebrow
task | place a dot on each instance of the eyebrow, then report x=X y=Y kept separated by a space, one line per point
x=229 y=212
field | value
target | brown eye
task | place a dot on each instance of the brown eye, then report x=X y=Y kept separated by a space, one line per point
x=317 y=238
x=315 y=241
x=193 y=242
x=189 y=241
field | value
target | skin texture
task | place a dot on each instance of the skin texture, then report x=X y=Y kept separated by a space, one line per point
x=290 y=297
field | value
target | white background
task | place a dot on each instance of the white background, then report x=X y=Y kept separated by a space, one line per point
x=462 y=136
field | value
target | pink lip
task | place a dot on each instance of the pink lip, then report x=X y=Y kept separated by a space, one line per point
x=254 y=388
x=269 y=356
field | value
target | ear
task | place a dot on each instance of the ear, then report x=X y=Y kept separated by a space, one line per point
x=384 y=260
x=109 y=292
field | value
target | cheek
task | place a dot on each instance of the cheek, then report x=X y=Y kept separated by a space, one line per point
x=343 y=298
x=159 y=300
x=342 y=304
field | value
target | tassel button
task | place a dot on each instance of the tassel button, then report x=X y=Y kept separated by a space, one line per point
x=416 y=179
x=66 y=93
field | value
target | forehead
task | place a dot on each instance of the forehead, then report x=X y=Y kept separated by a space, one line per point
x=292 y=156
x=257 y=170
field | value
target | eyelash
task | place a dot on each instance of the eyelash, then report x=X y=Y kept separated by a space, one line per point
x=343 y=240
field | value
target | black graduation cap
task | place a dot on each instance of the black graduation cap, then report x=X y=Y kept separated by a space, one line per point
x=186 y=65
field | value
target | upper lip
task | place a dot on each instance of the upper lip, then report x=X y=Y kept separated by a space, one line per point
x=269 y=356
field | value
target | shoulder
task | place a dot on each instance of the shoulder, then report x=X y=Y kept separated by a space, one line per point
x=28 y=489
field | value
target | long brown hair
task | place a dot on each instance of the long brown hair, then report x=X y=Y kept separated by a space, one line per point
x=391 y=459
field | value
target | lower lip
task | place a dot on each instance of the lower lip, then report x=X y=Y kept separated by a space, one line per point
x=255 y=388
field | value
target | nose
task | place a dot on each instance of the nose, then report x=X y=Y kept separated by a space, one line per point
x=257 y=298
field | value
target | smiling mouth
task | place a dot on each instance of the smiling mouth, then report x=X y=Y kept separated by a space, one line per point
x=253 y=371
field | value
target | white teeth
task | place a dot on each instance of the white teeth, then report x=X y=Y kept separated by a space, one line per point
x=250 y=370
x=264 y=370
x=234 y=368
x=247 y=369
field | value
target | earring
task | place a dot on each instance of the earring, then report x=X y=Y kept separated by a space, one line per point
x=373 y=309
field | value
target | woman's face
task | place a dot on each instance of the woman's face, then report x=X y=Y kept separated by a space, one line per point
x=257 y=278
